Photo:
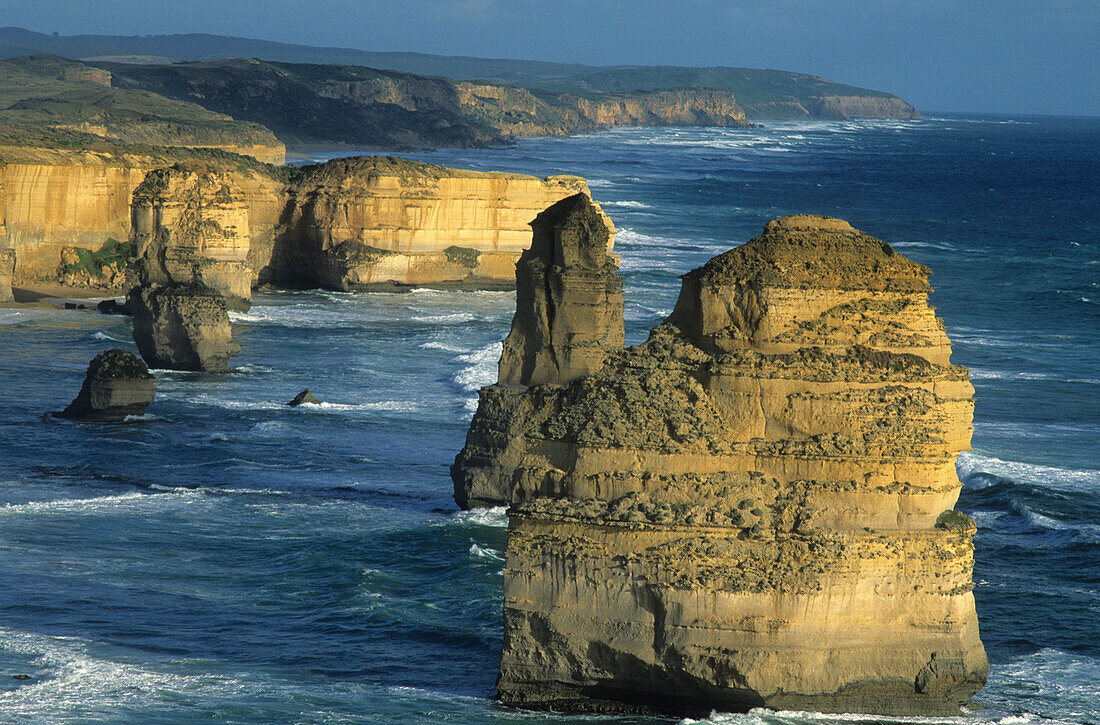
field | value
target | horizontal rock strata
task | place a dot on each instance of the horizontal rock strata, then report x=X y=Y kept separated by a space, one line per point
x=753 y=508
x=182 y=327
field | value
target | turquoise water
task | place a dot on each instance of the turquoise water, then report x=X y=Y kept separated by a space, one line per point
x=232 y=560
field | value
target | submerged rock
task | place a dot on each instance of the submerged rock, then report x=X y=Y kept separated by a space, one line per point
x=304 y=398
x=182 y=327
x=751 y=509
x=117 y=385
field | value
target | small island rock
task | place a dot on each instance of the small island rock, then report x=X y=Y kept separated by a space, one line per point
x=117 y=385
x=304 y=398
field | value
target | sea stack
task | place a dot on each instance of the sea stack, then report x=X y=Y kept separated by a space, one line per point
x=182 y=327
x=751 y=509
x=117 y=385
x=190 y=237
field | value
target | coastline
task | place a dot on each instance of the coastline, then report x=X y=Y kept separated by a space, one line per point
x=52 y=296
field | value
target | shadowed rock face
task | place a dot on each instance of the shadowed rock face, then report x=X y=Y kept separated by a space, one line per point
x=569 y=305
x=182 y=327
x=753 y=508
x=116 y=386
x=7 y=271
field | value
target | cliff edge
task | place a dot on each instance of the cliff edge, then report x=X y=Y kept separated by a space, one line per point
x=751 y=509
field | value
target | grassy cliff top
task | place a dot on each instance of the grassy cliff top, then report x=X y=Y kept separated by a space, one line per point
x=762 y=92
x=52 y=93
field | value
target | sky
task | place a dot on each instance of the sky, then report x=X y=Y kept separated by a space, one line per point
x=992 y=56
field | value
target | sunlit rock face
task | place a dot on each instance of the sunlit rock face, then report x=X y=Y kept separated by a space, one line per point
x=754 y=507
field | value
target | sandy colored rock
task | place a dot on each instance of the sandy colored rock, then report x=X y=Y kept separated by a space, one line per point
x=569 y=301
x=7 y=272
x=117 y=386
x=193 y=223
x=357 y=222
x=753 y=508
x=182 y=327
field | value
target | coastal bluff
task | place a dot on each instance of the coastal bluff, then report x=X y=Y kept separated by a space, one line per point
x=753 y=508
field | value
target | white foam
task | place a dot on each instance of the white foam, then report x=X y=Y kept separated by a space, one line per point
x=445 y=347
x=446 y=318
x=627 y=204
x=94 y=505
x=970 y=464
x=479 y=368
x=404 y=406
x=496 y=516
x=484 y=552
x=100 y=335
x=763 y=716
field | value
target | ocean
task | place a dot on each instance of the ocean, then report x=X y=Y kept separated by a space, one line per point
x=232 y=560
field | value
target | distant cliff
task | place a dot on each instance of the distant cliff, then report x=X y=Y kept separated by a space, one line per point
x=762 y=93
x=43 y=94
x=356 y=106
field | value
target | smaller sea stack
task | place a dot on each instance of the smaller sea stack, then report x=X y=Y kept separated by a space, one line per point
x=117 y=385
x=183 y=327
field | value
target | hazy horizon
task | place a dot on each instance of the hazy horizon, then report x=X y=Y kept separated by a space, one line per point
x=1011 y=57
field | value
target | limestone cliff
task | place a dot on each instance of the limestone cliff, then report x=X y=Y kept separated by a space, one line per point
x=753 y=508
x=194 y=223
x=56 y=199
x=348 y=224
x=357 y=222
x=7 y=271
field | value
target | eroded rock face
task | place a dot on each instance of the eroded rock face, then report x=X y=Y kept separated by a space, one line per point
x=117 y=386
x=569 y=306
x=182 y=327
x=7 y=273
x=753 y=508
x=191 y=224
x=360 y=222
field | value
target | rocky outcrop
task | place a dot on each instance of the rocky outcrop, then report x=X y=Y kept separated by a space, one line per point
x=7 y=272
x=61 y=209
x=117 y=386
x=182 y=327
x=569 y=306
x=754 y=507
x=357 y=222
x=305 y=397
x=193 y=224
x=79 y=202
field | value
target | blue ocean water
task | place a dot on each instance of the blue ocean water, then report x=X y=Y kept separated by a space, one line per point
x=232 y=560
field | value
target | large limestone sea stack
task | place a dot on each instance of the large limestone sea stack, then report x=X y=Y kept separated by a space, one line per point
x=754 y=507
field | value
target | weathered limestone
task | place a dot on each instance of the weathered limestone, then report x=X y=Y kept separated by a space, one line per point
x=753 y=508
x=569 y=305
x=182 y=327
x=359 y=222
x=7 y=272
x=117 y=386
x=190 y=224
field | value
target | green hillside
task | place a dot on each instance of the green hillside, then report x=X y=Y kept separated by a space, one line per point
x=763 y=93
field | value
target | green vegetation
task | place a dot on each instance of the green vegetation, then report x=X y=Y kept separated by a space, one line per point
x=463 y=256
x=50 y=93
x=955 y=521
x=113 y=252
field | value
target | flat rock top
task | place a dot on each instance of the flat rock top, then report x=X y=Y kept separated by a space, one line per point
x=815 y=252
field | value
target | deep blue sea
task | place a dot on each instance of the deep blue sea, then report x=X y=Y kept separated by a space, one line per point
x=228 y=559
